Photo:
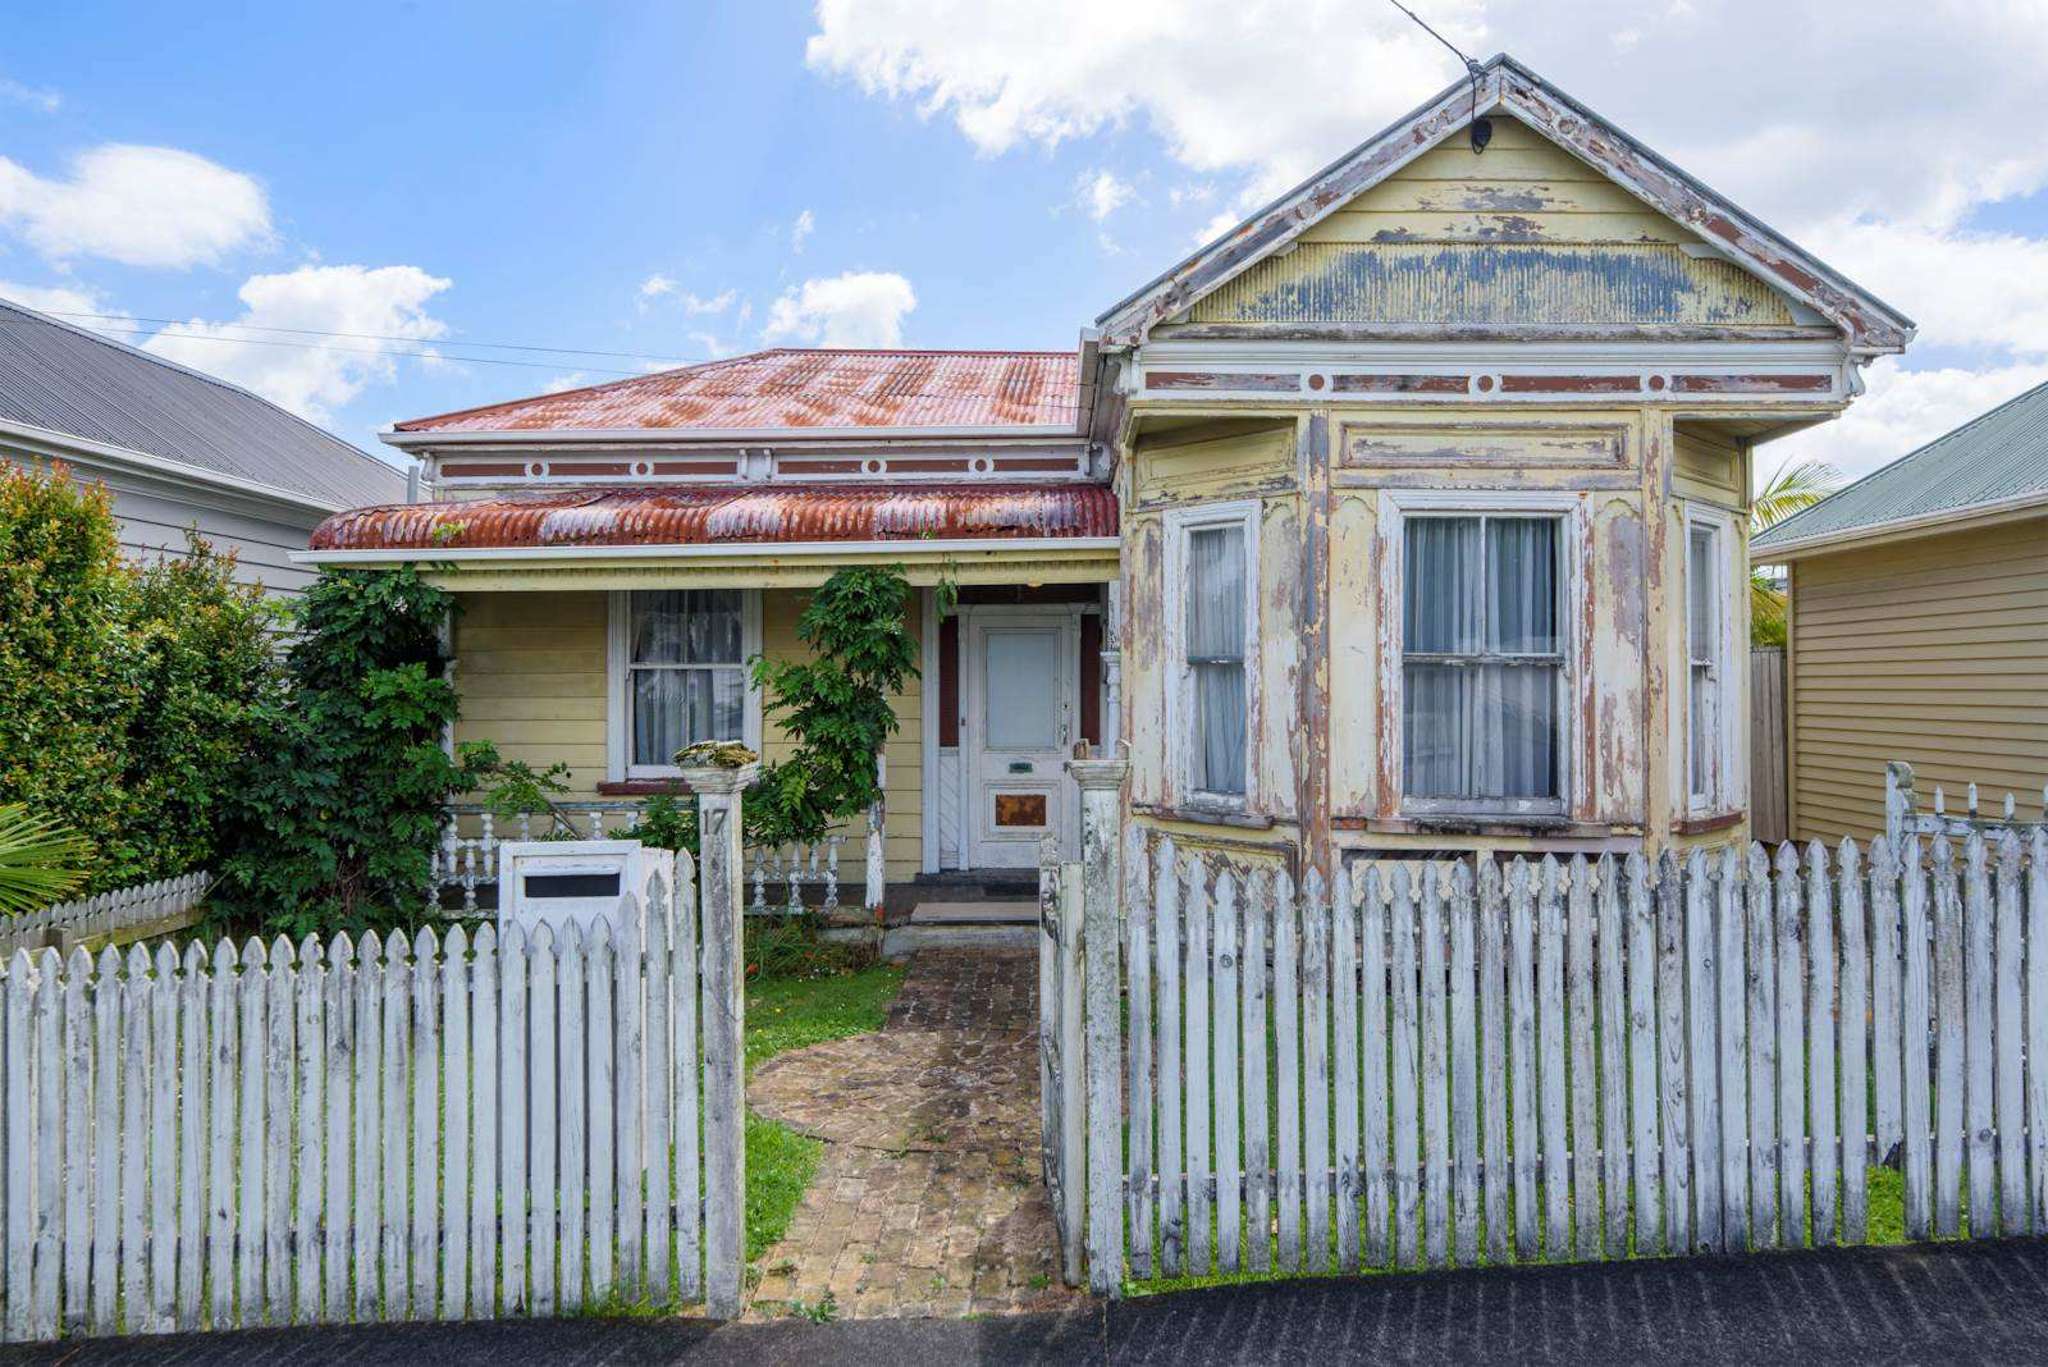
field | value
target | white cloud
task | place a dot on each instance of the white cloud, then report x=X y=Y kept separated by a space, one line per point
x=657 y=286
x=857 y=309
x=61 y=300
x=1102 y=192
x=1870 y=133
x=801 y=230
x=574 y=379
x=313 y=381
x=717 y=303
x=654 y=286
x=140 y=206
x=41 y=100
x=1904 y=410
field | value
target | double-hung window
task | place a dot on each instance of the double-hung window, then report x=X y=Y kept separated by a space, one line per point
x=1210 y=570
x=1706 y=653
x=680 y=673
x=1483 y=663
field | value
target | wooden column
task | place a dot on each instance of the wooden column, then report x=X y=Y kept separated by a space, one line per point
x=878 y=867
x=1113 y=670
x=1101 y=782
x=725 y=1153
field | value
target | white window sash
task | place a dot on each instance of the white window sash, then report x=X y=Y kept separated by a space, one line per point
x=1712 y=786
x=1397 y=508
x=620 y=668
x=1182 y=704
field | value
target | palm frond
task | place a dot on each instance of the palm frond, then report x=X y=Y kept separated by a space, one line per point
x=1796 y=486
x=40 y=860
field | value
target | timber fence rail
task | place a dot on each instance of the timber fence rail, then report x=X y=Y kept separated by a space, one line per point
x=1549 y=1061
x=164 y=904
x=441 y=1126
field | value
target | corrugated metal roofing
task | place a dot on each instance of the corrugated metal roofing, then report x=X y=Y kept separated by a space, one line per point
x=787 y=387
x=56 y=376
x=1998 y=456
x=739 y=515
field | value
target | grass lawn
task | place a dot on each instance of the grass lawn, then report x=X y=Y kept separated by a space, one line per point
x=785 y=1013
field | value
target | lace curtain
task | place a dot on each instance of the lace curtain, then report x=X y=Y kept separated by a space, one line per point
x=688 y=673
x=1216 y=647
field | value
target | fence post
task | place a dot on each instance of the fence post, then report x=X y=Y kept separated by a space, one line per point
x=725 y=1155
x=1898 y=801
x=1101 y=783
x=878 y=867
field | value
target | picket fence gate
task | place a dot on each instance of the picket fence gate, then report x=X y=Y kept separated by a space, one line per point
x=1411 y=1066
x=442 y=1127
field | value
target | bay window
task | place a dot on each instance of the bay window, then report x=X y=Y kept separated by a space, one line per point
x=1482 y=663
x=679 y=674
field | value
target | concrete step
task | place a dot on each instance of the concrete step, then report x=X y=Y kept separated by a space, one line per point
x=900 y=941
x=975 y=913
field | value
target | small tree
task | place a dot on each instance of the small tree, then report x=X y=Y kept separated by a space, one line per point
x=335 y=824
x=836 y=705
x=1795 y=487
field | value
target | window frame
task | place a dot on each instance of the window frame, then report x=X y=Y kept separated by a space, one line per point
x=1723 y=790
x=1181 y=712
x=1568 y=510
x=619 y=766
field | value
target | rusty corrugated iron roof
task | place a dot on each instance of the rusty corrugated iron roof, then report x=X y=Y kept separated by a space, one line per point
x=797 y=388
x=769 y=515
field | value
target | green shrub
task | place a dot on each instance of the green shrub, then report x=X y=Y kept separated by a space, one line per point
x=335 y=823
x=130 y=695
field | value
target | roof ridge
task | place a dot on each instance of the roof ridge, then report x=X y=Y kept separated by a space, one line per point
x=116 y=345
x=1784 y=529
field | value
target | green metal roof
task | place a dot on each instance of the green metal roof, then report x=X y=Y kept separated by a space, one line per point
x=1995 y=458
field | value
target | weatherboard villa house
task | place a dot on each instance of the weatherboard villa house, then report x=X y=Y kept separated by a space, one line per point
x=1407 y=518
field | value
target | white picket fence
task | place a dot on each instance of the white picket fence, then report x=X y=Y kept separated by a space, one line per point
x=444 y=1127
x=1551 y=1061
x=160 y=904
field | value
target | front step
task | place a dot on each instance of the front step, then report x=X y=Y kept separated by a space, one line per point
x=1009 y=924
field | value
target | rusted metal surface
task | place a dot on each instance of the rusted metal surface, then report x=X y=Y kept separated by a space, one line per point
x=1462 y=283
x=1870 y=324
x=739 y=516
x=1502 y=382
x=799 y=389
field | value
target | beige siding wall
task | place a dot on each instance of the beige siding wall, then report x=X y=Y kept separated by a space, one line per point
x=1933 y=651
x=531 y=672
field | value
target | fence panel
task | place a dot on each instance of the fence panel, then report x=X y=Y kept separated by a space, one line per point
x=1591 y=1059
x=343 y=1133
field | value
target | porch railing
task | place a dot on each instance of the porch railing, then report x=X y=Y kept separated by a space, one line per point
x=781 y=878
x=1903 y=815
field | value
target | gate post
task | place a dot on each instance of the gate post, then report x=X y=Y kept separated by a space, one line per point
x=1101 y=783
x=720 y=878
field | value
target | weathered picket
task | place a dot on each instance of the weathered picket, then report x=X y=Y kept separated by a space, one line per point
x=1558 y=1060
x=458 y=1126
x=124 y=913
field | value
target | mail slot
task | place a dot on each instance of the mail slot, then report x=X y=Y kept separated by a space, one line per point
x=560 y=883
x=1020 y=766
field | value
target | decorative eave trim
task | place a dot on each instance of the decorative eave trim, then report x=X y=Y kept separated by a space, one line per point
x=1035 y=546
x=2013 y=509
x=1872 y=326
x=675 y=437
x=49 y=444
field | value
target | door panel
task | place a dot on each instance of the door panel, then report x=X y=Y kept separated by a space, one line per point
x=1019 y=671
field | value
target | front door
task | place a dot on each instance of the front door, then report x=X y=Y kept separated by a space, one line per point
x=1020 y=668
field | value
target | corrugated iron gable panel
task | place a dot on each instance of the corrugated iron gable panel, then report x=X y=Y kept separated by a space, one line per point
x=70 y=381
x=740 y=515
x=2000 y=455
x=807 y=389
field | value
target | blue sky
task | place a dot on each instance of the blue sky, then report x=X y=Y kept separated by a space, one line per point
x=682 y=181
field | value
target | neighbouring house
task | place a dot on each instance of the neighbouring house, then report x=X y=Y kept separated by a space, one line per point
x=177 y=449
x=1919 y=625
x=1407 y=518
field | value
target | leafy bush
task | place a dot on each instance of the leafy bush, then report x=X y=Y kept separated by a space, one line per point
x=335 y=823
x=132 y=694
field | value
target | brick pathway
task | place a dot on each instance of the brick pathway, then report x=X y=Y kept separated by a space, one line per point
x=928 y=1200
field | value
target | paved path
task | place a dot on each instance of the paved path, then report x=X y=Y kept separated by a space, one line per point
x=928 y=1200
x=1977 y=1303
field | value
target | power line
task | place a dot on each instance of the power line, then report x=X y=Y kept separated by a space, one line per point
x=377 y=351
x=378 y=337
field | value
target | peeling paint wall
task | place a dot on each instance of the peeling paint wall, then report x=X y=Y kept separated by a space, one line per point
x=1328 y=773
x=1521 y=233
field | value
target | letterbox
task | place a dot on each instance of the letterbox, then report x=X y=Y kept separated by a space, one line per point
x=580 y=882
